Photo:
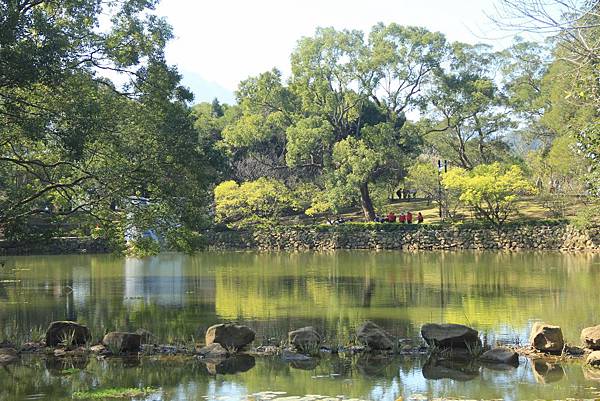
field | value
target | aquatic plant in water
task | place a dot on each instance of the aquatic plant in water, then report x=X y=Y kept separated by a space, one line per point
x=117 y=392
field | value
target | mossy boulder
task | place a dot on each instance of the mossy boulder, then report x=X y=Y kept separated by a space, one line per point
x=374 y=337
x=305 y=340
x=67 y=333
x=122 y=342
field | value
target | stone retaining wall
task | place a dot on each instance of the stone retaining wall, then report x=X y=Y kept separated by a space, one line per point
x=415 y=237
x=54 y=246
x=523 y=237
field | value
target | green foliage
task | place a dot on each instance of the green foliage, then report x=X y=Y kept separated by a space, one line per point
x=354 y=163
x=491 y=189
x=75 y=144
x=142 y=247
x=465 y=108
x=588 y=216
x=559 y=171
x=264 y=198
x=304 y=138
x=182 y=239
x=344 y=92
x=117 y=392
x=424 y=177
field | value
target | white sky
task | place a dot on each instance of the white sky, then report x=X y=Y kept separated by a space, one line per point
x=221 y=42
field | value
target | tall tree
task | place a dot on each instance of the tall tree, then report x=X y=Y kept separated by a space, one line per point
x=575 y=28
x=466 y=109
x=91 y=116
x=342 y=115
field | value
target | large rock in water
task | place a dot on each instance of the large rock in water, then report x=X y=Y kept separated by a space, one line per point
x=65 y=331
x=122 y=342
x=500 y=355
x=450 y=335
x=230 y=335
x=546 y=338
x=374 y=337
x=590 y=337
x=305 y=340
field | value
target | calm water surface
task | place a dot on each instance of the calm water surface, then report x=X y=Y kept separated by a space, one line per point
x=177 y=297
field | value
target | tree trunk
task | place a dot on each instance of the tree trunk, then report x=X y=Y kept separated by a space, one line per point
x=365 y=201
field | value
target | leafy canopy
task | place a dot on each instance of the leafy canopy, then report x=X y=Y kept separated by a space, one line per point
x=491 y=189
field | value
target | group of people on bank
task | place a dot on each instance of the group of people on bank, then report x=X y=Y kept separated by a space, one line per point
x=402 y=218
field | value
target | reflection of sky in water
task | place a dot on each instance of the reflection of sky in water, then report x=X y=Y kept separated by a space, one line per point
x=81 y=285
x=158 y=280
x=386 y=391
x=219 y=388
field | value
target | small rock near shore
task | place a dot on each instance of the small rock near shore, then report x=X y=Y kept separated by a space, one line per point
x=213 y=351
x=590 y=337
x=546 y=338
x=122 y=342
x=500 y=355
x=289 y=356
x=305 y=340
x=450 y=335
x=374 y=337
x=98 y=349
x=230 y=335
x=66 y=331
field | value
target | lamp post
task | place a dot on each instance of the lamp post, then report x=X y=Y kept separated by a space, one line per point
x=445 y=169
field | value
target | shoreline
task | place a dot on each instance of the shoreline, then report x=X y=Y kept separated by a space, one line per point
x=527 y=236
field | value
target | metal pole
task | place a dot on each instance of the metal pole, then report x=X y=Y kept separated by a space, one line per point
x=440 y=188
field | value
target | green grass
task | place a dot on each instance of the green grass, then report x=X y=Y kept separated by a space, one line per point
x=116 y=392
x=527 y=208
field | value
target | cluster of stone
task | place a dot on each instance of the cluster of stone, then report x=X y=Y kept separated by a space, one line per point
x=414 y=237
x=227 y=344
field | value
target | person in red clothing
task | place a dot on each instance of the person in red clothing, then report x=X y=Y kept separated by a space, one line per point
x=409 y=217
x=402 y=218
x=419 y=218
x=391 y=217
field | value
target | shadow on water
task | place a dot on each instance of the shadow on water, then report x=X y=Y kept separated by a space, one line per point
x=373 y=364
x=309 y=364
x=235 y=364
x=546 y=372
x=458 y=370
x=62 y=366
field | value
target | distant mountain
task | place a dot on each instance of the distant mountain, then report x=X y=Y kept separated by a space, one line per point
x=206 y=91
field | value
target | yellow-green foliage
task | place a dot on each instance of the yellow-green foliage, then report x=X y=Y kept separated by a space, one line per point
x=262 y=198
x=491 y=189
x=320 y=204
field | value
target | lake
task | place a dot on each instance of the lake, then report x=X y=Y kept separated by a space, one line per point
x=177 y=297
